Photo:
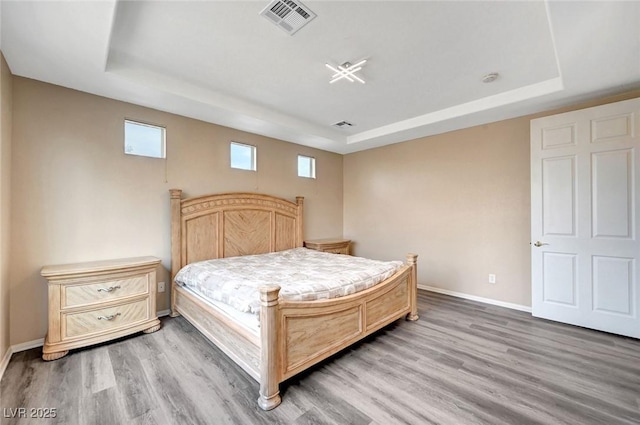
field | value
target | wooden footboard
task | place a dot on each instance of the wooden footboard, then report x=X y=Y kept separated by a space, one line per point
x=295 y=335
x=313 y=333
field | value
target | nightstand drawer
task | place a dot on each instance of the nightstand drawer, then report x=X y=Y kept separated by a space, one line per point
x=94 y=293
x=104 y=319
x=344 y=250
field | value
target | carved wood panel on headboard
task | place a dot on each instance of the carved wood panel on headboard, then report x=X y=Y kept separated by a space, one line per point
x=232 y=224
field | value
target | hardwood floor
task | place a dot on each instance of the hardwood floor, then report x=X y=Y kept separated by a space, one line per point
x=462 y=363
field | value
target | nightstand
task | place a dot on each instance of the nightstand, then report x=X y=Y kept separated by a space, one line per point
x=336 y=246
x=94 y=302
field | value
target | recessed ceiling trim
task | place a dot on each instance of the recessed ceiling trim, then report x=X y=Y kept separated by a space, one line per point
x=112 y=23
x=505 y=98
x=138 y=38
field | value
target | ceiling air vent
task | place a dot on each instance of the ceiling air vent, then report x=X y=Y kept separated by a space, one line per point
x=343 y=124
x=288 y=15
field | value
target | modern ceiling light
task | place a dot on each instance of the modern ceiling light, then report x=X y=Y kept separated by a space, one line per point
x=346 y=71
x=490 y=77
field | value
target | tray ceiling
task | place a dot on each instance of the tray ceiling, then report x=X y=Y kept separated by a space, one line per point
x=223 y=63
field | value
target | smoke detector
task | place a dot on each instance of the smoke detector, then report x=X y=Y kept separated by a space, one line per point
x=288 y=15
x=489 y=78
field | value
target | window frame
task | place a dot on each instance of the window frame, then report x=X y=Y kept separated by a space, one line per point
x=163 y=141
x=312 y=166
x=253 y=159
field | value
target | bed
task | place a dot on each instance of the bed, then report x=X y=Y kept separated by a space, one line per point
x=292 y=335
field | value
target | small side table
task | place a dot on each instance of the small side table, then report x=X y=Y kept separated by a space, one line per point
x=335 y=246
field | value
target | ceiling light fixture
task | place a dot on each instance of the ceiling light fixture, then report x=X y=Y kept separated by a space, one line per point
x=346 y=71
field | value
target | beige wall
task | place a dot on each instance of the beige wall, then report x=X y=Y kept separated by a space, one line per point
x=5 y=199
x=77 y=197
x=460 y=200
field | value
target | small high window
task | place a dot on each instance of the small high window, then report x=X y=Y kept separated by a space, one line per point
x=243 y=157
x=306 y=166
x=144 y=139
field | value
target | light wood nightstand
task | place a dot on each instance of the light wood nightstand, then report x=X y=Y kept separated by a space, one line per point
x=95 y=302
x=336 y=246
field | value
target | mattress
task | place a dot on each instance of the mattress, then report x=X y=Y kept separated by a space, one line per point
x=303 y=275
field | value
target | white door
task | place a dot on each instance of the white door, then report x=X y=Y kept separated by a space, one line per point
x=585 y=213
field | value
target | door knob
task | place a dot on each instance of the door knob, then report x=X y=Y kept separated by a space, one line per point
x=539 y=244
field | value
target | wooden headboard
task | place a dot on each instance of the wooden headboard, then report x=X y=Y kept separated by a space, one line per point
x=231 y=224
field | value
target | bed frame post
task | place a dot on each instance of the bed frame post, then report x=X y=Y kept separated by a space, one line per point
x=412 y=260
x=299 y=222
x=176 y=245
x=270 y=357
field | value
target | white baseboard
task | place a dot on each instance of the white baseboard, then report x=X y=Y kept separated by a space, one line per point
x=16 y=349
x=164 y=313
x=475 y=298
x=5 y=362
x=27 y=345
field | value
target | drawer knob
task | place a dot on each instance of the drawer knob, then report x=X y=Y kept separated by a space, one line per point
x=110 y=317
x=109 y=289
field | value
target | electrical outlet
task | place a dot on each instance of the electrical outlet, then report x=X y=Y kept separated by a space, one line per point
x=161 y=287
x=492 y=278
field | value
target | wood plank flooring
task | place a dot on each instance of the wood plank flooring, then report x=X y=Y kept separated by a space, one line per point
x=462 y=363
